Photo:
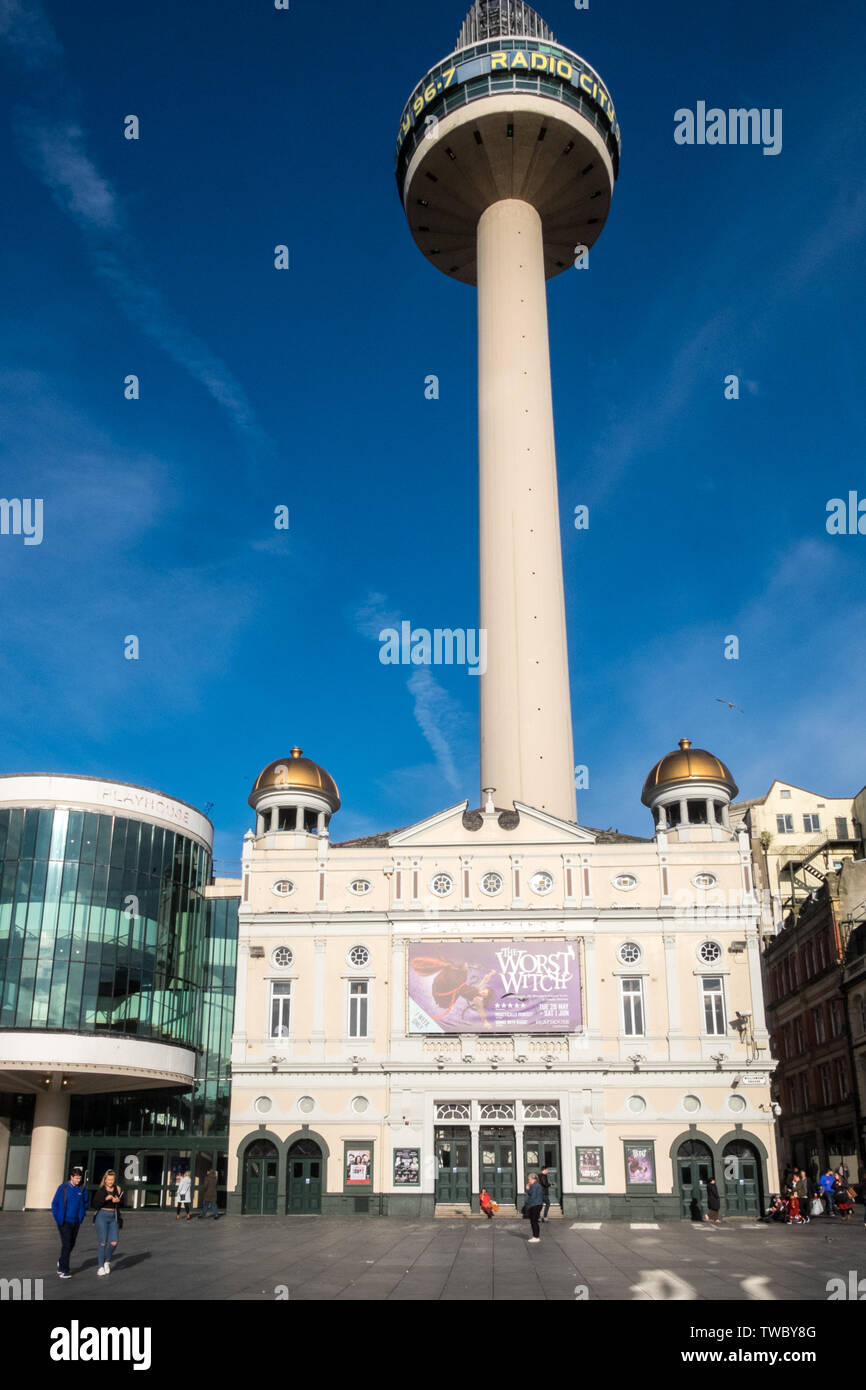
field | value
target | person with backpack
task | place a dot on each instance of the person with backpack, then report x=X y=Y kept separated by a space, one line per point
x=69 y=1207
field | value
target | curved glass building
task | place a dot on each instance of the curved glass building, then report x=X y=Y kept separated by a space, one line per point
x=116 y=980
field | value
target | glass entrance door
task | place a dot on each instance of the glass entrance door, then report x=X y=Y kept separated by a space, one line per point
x=541 y=1150
x=497 y=1164
x=453 y=1169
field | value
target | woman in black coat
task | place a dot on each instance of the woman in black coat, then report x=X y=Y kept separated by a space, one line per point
x=714 y=1202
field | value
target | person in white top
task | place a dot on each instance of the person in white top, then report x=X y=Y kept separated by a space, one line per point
x=183 y=1196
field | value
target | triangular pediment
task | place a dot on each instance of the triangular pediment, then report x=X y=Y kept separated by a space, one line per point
x=459 y=826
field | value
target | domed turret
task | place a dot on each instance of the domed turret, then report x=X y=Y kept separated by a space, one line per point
x=689 y=786
x=295 y=794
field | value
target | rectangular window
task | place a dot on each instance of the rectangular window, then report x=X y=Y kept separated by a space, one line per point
x=826 y=1085
x=632 y=1008
x=785 y=825
x=820 y=1029
x=841 y=1077
x=835 y=1018
x=714 y=1005
x=841 y=828
x=358 y=1002
x=811 y=823
x=799 y=1035
x=785 y=794
x=281 y=1000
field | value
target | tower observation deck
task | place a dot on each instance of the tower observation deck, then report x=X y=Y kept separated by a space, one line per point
x=507 y=154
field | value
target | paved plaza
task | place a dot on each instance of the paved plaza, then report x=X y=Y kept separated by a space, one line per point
x=316 y=1257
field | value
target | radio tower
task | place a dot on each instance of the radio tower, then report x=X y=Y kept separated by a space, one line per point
x=506 y=160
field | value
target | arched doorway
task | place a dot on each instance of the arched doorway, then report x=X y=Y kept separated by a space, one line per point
x=694 y=1170
x=742 y=1179
x=261 y=1179
x=304 y=1171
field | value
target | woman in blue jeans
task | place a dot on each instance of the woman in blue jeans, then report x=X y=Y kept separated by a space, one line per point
x=105 y=1203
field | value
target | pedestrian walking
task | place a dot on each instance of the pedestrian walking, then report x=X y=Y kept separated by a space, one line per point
x=183 y=1196
x=801 y=1188
x=828 y=1190
x=544 y=1179
x=209 y=1193
x=69 y=1207
x=816 y=1205
x=532 y=1207
x=106 y=1202
x=845 y=1202
x=714 y=1203
x=488 y=1206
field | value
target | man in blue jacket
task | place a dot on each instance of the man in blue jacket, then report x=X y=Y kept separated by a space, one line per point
x=69 y=1207
x=828 y=1183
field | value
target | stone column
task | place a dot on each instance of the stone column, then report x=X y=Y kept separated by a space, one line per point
x=526 y=735
x=48 y=1145
x=317 y=1036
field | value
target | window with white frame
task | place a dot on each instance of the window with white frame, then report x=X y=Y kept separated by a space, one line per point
x=631 y=993
x=713 y=996
x=629 y=953
x=359 y=999
x=811 y=823
x=841 y=1076
x=281 y=1003
x=785 y=825
x=826 y=1085
x=709 y=952
x=785 y=794
x=820 y=1027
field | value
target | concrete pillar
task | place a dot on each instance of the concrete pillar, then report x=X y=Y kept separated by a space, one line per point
x=526 y=733
x=299 y=820
x=5 y=1132
x=47 y=1146
x=684 y=812
x=275 y=818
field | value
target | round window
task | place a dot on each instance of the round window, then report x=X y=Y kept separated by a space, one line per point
x=705 y=880
x=737 y=1103
x=625 y=882
x=709 y=952
x=492 y=883
x=264 y=1104
x=359 y=886
x=636 y=1104
x=359 y=955
x=541 y=882
x=283 y=887
x=282 y=956
x=360 y=1104
x=441 y=884
x=306 y=1105
x=629 y=953
x=691 y=1103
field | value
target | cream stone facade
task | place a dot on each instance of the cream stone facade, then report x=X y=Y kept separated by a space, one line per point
x=670 y=1049
x=797 y=838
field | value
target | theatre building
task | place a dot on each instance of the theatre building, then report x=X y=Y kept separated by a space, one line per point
x=117 y=956
x=460 y=1002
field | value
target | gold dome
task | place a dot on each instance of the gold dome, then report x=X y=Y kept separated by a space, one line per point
x=297 y=772
x=686 y=764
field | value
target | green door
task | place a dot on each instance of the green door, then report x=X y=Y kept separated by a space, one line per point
x=742 y=1180
x=453 y=1170
x=541 y=1150
x=497 y=1164
x=305 y=1166
x=261 y=1171
x=694 y=1170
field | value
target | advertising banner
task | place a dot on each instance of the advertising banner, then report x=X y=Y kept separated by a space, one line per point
x=590 y=1166
x=494 y=987
x=640 y=1165
x=407 y=1167
x=359 y=1167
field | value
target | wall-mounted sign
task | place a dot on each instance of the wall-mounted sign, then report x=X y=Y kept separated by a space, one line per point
x=494 y=987
x=358 y=1165
x=590 y=1166
x=407 y=1167
x=640 y=1166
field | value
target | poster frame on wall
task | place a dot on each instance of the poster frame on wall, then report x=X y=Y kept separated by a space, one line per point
x=422 y=1020
x=400 y=1182
x=589 y=1148
x=367 y=1146
x=635 y=1189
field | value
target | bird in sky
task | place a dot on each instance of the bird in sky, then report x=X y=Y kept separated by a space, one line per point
x=719 y=701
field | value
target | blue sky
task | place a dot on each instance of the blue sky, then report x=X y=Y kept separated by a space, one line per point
x=306 y=388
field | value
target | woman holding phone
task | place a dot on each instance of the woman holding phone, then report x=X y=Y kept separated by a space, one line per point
x=105 y=1204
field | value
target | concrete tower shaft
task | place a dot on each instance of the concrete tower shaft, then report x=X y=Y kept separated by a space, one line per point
x=506 y=159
